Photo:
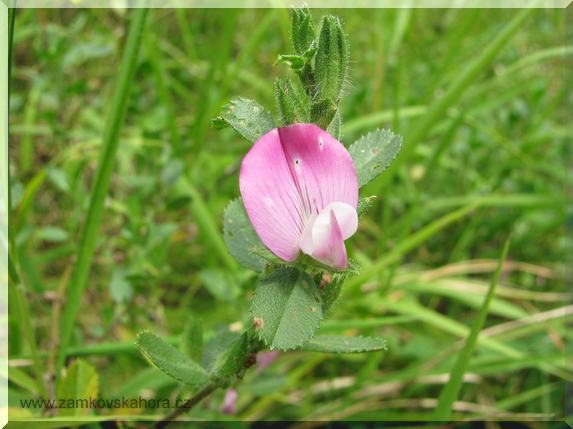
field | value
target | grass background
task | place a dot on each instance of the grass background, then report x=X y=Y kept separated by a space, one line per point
x=485 y=156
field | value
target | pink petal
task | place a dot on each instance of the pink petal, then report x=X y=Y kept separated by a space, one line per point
x=264 y=359
x=321 y=166
x=289 y=176
x=346 y=216
x=328 y=244
x=230 y=402
x=318 y=227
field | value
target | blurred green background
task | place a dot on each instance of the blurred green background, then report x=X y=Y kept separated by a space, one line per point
x=481 y=117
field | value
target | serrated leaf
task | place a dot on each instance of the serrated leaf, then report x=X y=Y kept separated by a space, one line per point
x=231 y=361
x=286 y=309
x=192 y=340
x=342 y=344
x=373 y=153
x=170 y=360
x=215 y=347
x=240 y=236
x=81 y=383
x=247 y=117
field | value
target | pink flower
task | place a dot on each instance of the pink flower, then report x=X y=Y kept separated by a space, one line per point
x=300 y=190
x=230 y=402
x=264 y=359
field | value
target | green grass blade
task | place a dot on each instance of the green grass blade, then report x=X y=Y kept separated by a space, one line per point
x=209 y=229
x=11 y=24
x=29 y=334
x=89 y=234
x=411 y=242
x=211 y=232
x=161 y=79
x=439 y=107
x=450 y=392
x=12 y=257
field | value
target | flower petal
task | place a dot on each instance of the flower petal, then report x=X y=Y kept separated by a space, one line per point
x=328 y=243
x=346 y=216
x=271 y=198
x=321 y=167
x=288 y=177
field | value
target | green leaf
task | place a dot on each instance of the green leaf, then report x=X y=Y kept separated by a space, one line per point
x=80 y=383
x=292 y=102
x=373 y=153
x=170 y=360
x=286 y=309
x=304 y=261
x=120 y=287
x=215 y=347
x=335 y=127
x=22 y=379
x=229 y=363
x=220 y=284
x=331 y=61
x=264 y=253
x=247 y=117
x=295 y=62
x=171 y=172
x=240 y=236
x=303 y=29
x=364 y=204
x=90 y=233
x=58 y=178
x=266 y=383
x=52 y=233
x=342 y=344
x=450 y=392
x=192 y=340
x=330 y=287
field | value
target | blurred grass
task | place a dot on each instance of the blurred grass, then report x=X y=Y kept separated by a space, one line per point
x=491 y=162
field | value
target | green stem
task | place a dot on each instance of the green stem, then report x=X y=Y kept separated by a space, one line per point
x=450 y=392
x=90 y=231
x=12 y=254
x=206 y=391
x=11 y=23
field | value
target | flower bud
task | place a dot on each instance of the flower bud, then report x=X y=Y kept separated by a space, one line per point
x=331 y=62
x=303 y=30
